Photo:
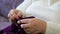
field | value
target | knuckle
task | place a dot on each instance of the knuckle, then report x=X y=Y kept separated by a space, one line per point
x=12 y=9
x=8 y=15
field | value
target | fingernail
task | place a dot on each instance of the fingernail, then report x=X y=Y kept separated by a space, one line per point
x=18 y=22
x=21 y=26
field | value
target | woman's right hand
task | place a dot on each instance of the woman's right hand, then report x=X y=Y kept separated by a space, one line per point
x=14 y=14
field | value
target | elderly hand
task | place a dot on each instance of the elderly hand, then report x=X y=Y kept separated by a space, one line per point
x=33 y=25
x=14 y=14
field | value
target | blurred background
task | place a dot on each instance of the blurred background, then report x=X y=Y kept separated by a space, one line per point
x=5 y=7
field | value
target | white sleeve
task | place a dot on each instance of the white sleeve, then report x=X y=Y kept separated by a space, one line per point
x=23 y=6
x=52 y=28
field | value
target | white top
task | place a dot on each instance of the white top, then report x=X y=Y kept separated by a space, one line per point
x=37 y=9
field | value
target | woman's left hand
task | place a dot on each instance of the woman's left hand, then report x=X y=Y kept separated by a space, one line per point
x=33 y=25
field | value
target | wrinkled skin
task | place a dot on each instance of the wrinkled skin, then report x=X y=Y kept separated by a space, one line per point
x=31 y=25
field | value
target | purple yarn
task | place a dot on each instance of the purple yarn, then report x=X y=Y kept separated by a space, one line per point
x=14 y=29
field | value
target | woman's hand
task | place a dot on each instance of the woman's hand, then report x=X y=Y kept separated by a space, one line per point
x=33 y=25
x=14 y=14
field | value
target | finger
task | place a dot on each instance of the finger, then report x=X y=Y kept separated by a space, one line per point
x=15 y=16
x=25 y=21
x=19 y=14
x=20 y=22
x=25 y=26
x=13 y=11
x=11 y=17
